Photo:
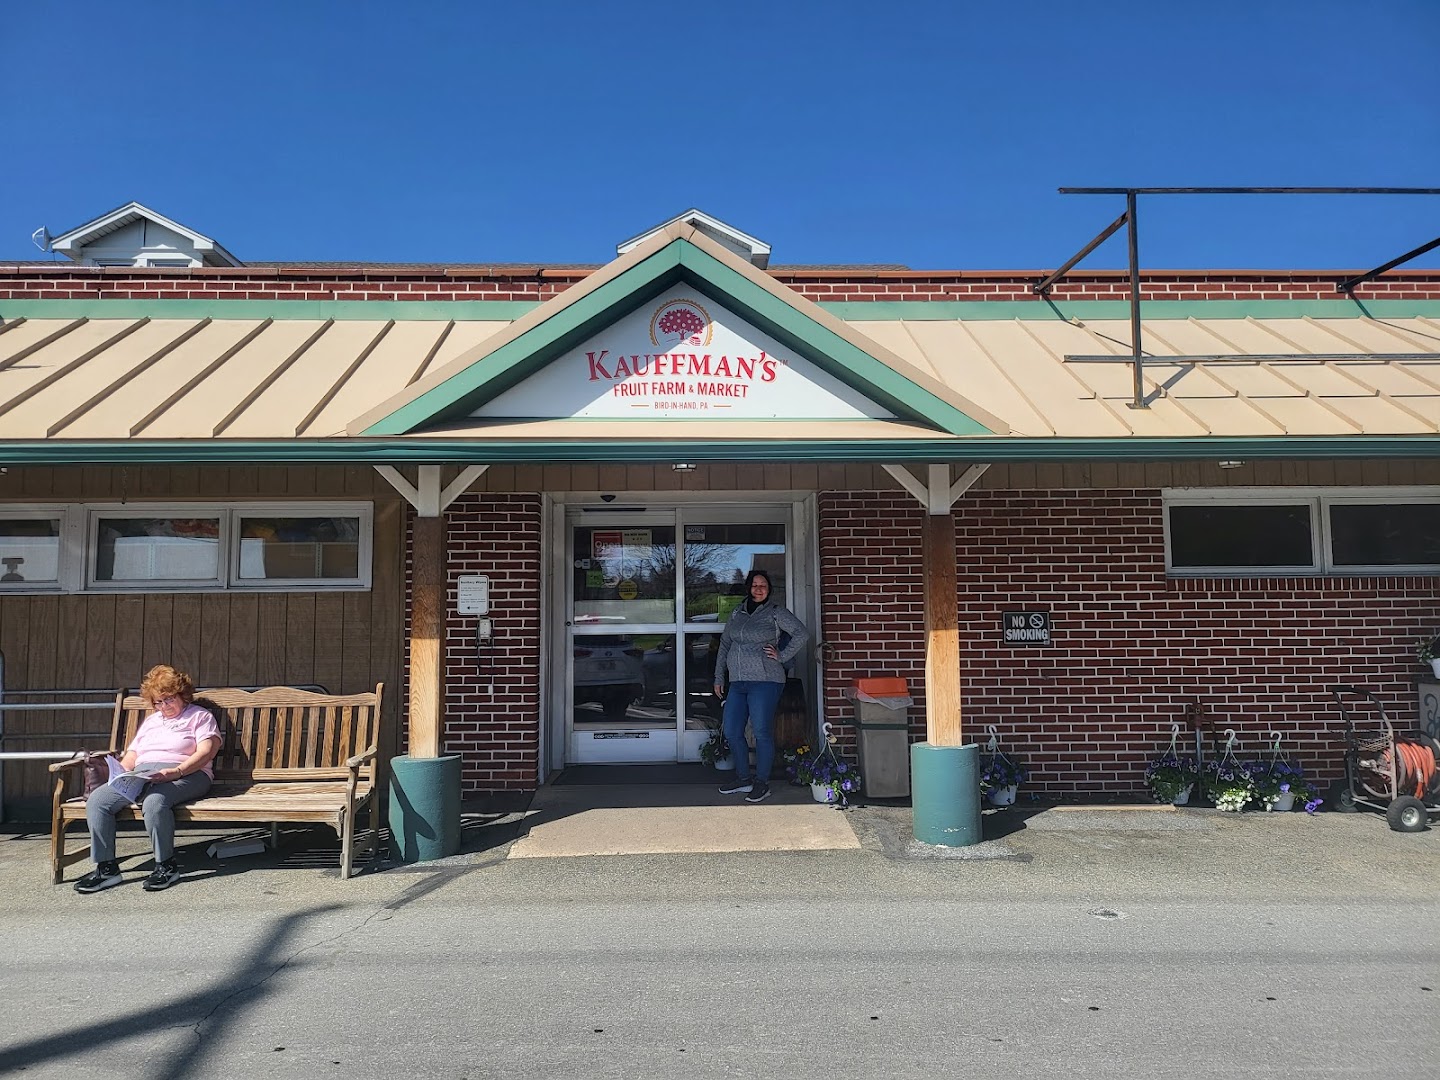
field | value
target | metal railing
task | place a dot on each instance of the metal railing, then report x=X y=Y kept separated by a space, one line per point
x=72 y=700
x=1137 y=355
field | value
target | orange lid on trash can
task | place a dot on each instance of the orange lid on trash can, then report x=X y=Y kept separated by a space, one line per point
x=882 y=687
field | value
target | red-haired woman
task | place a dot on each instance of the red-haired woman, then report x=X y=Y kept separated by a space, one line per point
x=173 y=749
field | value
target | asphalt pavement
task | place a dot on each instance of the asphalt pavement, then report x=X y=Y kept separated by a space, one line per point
x=1078 y=941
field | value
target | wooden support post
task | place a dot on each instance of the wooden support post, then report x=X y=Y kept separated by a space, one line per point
x=427 y=634
x=942 y=633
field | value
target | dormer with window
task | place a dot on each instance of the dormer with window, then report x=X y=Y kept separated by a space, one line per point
x=135 y=235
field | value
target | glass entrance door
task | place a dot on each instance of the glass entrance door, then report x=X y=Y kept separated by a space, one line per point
x=647 y=598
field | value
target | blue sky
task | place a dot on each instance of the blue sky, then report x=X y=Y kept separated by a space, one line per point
x=931 y=133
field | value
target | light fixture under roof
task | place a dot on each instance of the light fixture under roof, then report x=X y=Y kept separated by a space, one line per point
x=1231 y=464
x=684 y=466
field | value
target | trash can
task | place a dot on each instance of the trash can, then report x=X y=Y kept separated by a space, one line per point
x=882 y=726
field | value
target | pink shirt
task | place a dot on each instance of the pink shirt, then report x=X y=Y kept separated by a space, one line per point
x=175 y=740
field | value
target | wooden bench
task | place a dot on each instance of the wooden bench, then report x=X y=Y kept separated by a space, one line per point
x=288 y=756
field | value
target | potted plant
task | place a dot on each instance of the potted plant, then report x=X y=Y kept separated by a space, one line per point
x=1279 y=784
x=832 y=779
x=715 y=751
x=1000 y=779
x=1171 y=778
x=1231 y=783
x=1429 y=653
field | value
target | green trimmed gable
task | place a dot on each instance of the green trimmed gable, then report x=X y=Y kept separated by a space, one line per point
x=678 y=263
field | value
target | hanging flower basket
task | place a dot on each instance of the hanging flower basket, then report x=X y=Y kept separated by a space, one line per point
x=715 y=751
x=1171 y=777
x=1000 y=775
x=1230 y=783
x=1002 y=796
x=1280 y=784
x=832 y=779
x=1428 y=652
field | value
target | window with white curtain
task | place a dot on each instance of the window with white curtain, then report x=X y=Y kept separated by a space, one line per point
x=165 y=547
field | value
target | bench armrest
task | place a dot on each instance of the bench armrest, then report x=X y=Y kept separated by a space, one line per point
x=353 y=784
x=360 y=759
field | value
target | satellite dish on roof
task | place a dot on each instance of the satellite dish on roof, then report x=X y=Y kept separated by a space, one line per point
x=41 y=238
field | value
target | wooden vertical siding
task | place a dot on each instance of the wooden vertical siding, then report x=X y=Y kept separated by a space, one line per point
x=849 y=476
x=344 y=641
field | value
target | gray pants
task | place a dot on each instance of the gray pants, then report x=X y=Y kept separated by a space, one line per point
x=157 y=801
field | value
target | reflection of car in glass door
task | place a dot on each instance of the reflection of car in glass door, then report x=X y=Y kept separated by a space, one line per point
x=659 y=670
x=608 y=672
x=659 y=665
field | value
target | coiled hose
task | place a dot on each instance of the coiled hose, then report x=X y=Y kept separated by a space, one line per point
x=1414 y=768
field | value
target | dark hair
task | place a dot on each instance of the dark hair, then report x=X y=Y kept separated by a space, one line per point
x=750 y=580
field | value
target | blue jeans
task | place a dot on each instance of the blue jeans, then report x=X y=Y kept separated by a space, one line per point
x=753 y=701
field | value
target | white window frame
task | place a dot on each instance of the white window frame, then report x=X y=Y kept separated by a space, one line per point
x=40 y=512
x=79 y=545
x=96 y=511
x=1376 y=498
x=365 y=512
x=1320 y=500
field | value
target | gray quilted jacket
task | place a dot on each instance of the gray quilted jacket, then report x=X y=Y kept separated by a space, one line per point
x=742 y=646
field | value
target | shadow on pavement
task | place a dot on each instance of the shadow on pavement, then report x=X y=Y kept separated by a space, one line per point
x=220 y=1005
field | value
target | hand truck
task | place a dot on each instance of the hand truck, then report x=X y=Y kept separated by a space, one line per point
x=1382 y=772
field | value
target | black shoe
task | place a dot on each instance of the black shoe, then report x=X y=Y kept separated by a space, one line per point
x=736 y=787
x=104 y=876
x=163 y=876
x=758 y=793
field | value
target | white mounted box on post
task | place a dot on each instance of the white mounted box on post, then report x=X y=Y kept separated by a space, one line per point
x=472 y=595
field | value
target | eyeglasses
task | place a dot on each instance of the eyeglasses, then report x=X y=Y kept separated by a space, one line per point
x=168 y=699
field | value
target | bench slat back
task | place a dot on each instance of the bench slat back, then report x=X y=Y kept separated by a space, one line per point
x=276 y=733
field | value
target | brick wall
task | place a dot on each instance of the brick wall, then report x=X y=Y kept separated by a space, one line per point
x=492 y=704
x=46 y=281
x=1132 y=648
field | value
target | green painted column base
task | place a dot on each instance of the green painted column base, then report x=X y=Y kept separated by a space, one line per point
x=424 y=809
x=945 y=782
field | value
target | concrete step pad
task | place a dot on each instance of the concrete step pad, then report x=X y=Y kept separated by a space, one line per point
x=688 y=819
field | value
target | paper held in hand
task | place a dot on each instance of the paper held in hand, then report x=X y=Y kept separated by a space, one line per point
x=127 y=785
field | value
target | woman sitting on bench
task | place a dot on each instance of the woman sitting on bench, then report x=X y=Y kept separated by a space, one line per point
x=173 y=750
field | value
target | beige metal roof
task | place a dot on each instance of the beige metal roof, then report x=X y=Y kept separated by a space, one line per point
x=1019 y=370
x=247 y=379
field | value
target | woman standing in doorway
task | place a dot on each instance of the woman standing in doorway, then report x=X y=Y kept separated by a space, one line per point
x=750 y=665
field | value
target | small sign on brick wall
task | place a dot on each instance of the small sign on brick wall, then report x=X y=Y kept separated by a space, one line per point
x=1026 y=627
x=472 y=595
